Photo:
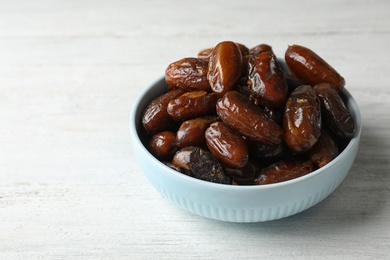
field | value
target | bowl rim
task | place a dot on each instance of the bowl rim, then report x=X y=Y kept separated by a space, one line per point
x=133 y=131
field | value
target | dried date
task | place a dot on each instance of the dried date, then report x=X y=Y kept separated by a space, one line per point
x=201 y=164
x=226 y=145
x=266 y=80
x=191 y=105
x=189 y=74
x=324 y=151
x=311 y=68
x=283 y=171
x=225 y=65
x=192 y=132
x=259 y=49
x=335 y=113
x=163 y=145
x=302 y=119
x=248 y=119
x=206 y=53
x=155 y=117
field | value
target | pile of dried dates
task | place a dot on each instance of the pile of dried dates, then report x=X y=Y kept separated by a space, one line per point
x=240 y=116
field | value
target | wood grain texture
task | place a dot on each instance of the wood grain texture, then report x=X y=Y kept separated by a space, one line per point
x=69 y=73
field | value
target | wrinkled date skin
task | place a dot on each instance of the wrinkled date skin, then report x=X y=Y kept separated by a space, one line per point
x=189 y=74
x=335 y=113
x=260 y=49
x=191 y=105
x=163 y=145
x=201 y=164
x=225 y=67
x=302 y=119
x=191 y=132
x=324 y=151
x=248 y=119
x=155 y=117
x=226 y=145
x=283 y=171
x=266 y=80
x=311 y=68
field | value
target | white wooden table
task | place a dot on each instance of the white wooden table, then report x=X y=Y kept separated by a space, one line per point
x=69 y=73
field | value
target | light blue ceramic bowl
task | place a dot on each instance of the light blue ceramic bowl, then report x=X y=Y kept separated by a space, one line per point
x=240 y=203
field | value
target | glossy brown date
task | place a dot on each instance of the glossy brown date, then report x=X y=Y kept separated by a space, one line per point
x=311 y=68
x=335 y=113
x=189 y=74
x=302 y=119
x=324 y=151
x=206 y=53
x=163 y=145
x=266 y=80
x=191 y=132
x=191 y=105
x=225 y=65
x=248 y=119
x=243 y=49
x=283 y=171
x=226 y=145
x=201 y=164
x=260 y=48
x=155 y=117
